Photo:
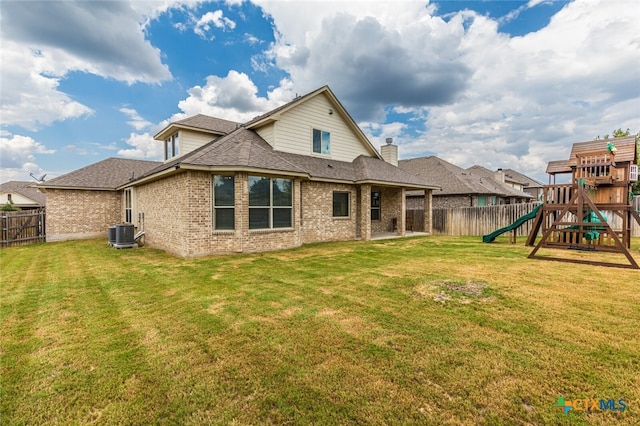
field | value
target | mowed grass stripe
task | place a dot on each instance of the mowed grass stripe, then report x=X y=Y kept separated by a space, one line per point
x=431 y=330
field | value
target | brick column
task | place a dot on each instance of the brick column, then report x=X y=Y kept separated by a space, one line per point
x=402 y=216
x=365 y=212
x=241 y=189
x=428 y=210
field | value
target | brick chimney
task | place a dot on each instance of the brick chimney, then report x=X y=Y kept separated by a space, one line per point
x=499 y=175
x=390 y=152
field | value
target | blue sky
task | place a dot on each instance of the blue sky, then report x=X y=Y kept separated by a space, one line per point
x=508 y=84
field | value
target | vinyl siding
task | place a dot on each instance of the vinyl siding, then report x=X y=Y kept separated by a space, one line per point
x=16 y=199
x=266 y=132
x=293 y=131
x=190 y=140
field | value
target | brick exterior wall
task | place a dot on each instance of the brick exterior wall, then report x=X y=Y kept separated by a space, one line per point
x=390 y=207
x=165 y=205
x=77 y=214
x=318 y=223
x=443 y=202
x=177 y=215
x=179 y=218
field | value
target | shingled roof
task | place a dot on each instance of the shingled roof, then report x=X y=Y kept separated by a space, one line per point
x=107 y=174
x=26 y=189
x=524 y=179
x=214 y=125
x=455 y=180
x=244 y=149
x=491 y=182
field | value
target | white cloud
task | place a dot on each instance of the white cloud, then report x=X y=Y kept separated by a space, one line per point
x=143 y=147
x=30 y=95
x=217 y=19
x=135 y=120
x=37 y=55
x=531 y=97
x=75 y=149
x=234 y=97
x=18 y=156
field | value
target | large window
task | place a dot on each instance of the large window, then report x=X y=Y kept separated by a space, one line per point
x=270 y=202
x=340 y=204
x=375 y=205
x=321 y=142
x=171 y=147
x=224 y=201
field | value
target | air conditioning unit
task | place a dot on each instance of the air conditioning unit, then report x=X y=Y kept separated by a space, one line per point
x=633 y=173
x=111 y=232
x=124 y=236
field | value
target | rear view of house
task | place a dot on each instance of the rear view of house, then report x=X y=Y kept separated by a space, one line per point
x=301 y=173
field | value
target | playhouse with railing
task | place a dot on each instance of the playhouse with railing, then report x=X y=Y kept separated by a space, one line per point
x=574 y=215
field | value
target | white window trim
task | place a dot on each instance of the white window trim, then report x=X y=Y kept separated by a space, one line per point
x=320 y=154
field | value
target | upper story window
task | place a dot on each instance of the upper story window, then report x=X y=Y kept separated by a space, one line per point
x=321 y=142
x=171 y=146
x=270 y=202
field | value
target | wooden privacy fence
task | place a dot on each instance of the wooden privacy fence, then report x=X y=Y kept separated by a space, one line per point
x=478 y=221
x=22 y=227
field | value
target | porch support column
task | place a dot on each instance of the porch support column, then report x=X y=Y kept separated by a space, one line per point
x=241 y=192
x=365 y=212
x=428 y=210
x=402 y=216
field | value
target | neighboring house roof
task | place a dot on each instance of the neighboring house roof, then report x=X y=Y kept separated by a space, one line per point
x=244 y=149
x=625 y=149
x=509 y=191
x=107 y=174
x=524 y=179
x=199 y=122
x=26 y=189
x=455 y=180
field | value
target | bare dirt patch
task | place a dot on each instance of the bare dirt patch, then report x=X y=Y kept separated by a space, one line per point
x=448 y=291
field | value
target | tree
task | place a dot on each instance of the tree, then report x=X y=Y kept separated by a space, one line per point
x=619 y=133
x=10 y=207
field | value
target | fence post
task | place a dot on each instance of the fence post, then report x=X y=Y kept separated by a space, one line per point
x=5 y=229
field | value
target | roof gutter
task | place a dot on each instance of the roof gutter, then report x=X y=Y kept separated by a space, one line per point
x=402 y=184
x=82 y=188
x=156 y=176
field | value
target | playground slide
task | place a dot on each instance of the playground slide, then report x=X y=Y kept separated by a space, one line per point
x=515 y=225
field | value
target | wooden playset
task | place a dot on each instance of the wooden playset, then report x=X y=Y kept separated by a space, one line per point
x=574 y=215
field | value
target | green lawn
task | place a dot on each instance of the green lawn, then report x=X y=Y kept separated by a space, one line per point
x=431 y=330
